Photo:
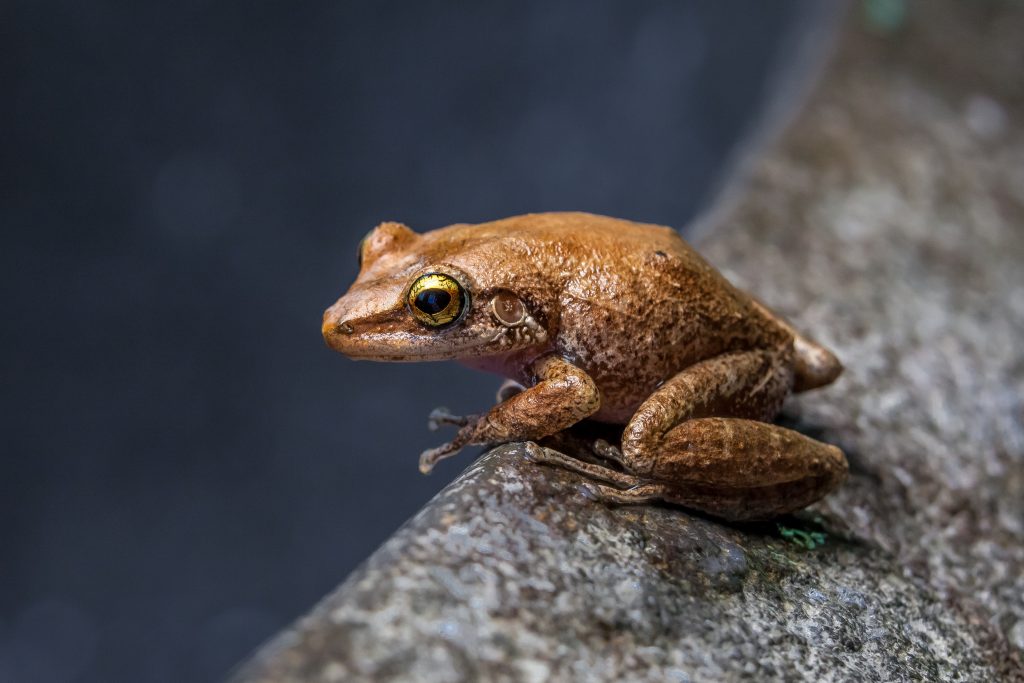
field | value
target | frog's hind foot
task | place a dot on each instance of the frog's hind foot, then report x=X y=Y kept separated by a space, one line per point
x=548 y=456
x=634 y=495
x=442 y=416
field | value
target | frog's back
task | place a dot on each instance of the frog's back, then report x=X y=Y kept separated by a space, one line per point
x=641 y=273
x=637 y=304
x=579 y=230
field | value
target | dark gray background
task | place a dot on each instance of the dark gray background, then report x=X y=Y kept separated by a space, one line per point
x=185 y=466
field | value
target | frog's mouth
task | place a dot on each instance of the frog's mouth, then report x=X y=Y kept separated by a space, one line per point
x=392 y=336
x=403 y=345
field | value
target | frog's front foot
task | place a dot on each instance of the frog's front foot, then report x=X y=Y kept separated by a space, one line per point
x=442 y=416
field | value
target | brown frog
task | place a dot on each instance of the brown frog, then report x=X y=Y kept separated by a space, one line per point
x=608 y=320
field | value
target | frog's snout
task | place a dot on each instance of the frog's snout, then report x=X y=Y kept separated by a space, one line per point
x=335 y=329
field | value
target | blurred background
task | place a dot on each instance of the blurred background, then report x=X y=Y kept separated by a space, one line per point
x=185 y=467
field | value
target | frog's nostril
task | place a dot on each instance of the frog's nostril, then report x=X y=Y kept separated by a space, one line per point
x=333 y=328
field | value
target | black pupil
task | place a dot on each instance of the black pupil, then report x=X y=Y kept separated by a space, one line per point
x=433 y=301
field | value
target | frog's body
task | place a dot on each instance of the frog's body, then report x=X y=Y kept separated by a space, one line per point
x=605 y=319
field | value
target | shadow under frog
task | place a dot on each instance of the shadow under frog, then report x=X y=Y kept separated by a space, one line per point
x=610 y=321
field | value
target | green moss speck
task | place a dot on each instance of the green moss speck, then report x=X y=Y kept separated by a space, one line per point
x=809 y=540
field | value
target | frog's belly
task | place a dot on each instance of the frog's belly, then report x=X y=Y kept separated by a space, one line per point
x=617 y=415
x=627 y=383
x=630 y=357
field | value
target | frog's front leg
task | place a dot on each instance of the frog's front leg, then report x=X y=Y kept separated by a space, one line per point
x=442 y=416
x=562 y=396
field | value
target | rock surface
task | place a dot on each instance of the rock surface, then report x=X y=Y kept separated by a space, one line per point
x=510 y=575
x=889 y=223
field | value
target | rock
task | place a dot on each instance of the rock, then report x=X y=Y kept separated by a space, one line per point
x=888 y=222
x=509 y=574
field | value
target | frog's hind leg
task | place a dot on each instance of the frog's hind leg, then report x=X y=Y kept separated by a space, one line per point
x=735 y=466
x=703 y=435
x=748 y=384
x=744 y=469
x=813 y=365
x=731 y=468
x=751 y=383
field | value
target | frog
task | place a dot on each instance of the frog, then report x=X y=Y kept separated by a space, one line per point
x=593 y=319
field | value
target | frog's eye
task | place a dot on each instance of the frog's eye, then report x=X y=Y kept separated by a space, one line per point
x=437 y=299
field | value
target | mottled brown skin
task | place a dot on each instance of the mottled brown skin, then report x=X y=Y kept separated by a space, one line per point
x=618 y=322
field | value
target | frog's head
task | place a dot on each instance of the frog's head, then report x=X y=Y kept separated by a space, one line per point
x=459 y=292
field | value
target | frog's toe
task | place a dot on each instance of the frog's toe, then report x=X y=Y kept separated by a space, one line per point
x=427 y=461
x=432 y=456
x=634 y=495
x=607 y=451
x=532 y=452
x=507 y=390
x=442 y=416
x=588 y=491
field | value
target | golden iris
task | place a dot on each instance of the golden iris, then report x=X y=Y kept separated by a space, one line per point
x=436 y=299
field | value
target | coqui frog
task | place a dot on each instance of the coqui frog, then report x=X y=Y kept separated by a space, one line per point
x=595 y=318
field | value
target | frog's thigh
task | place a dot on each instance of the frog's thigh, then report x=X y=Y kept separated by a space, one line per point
x=748 y=384
x=743 y=469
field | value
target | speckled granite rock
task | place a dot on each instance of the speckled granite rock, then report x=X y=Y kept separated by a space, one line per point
x=509 y=575
x=889 y=222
